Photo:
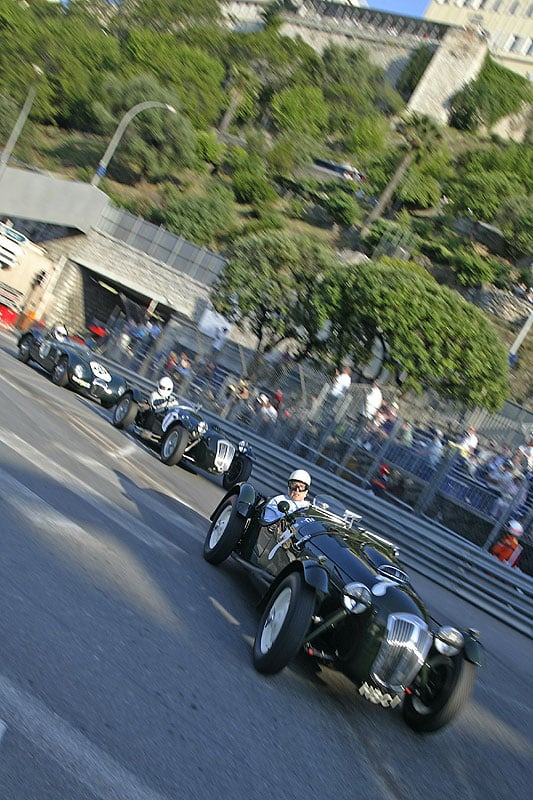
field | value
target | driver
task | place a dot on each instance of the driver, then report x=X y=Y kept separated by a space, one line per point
x=299 y=482
x=159 y=399
x=59 y=333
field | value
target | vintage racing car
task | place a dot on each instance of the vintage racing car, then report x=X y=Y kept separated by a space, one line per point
x=336 y=591
x=181 y=433
x=70 y=363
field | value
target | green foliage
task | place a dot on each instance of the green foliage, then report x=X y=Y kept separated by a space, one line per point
x=300 y=109
x=431 y=333
x=209 y=149
x=470 y=268
x=157 y=140
x=269 y=286
x=481 y=193
x=411 y=75
x=200 y=219
x=496 y=93
x=515 y=219
x=250 y=182
x=342 y=207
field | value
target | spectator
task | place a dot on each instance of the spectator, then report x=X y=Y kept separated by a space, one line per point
x=435 y=448
x=341 y=383
x=505 y=548
x=526 y=451
x=468 y=443
x=372 y=402
x=277 y=399
x=515 y=492
x=219 y=341
x=405 y=434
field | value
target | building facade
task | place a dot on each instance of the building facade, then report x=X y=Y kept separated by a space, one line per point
x=507 y=24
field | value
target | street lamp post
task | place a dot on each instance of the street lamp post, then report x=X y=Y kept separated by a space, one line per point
x=112 y=146
x=19 y=124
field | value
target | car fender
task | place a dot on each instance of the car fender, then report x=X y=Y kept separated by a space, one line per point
x=313 y=573
x=473 y=649
x=245 y=501
x=169 y=419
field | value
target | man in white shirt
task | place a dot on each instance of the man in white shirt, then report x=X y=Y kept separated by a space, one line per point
x=341 y=383
x=373 y=401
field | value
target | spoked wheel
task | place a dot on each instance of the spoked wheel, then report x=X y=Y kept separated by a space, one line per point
x=239 y=471
x=60 y=373
x=174 y=445
x=224 y=533
x=284 y=624
x=125 y=411
x=24 y=349
x=449 y=685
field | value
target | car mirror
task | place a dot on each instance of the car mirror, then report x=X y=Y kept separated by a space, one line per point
x=283 y=506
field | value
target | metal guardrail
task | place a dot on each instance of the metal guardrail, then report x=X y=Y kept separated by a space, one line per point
x=427 y=547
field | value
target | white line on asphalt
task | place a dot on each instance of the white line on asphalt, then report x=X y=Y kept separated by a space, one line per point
x=71 y=750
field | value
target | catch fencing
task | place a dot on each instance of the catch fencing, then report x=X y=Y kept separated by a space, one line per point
x=427 y=546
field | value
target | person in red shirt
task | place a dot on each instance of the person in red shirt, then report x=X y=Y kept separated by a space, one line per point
x=505 y=547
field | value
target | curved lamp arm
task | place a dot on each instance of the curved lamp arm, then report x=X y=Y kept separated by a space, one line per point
x=117 y=136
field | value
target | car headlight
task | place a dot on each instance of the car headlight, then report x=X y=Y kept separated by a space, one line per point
x=79 y=371
x=449 y=641
x=356 y=598
x=202 y=427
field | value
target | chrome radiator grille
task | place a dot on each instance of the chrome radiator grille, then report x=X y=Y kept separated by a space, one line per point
x=224 y=456
x=402 y=652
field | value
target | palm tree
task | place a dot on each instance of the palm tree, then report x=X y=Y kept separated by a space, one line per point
x=420 y=134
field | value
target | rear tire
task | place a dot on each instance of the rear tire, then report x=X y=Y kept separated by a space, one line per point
x=174 y=445
x=224 y=533
x=60 y=372
x=125 y=411
x=284 y=624
x=450 y=684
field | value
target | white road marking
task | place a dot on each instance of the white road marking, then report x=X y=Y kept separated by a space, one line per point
x=71 y=750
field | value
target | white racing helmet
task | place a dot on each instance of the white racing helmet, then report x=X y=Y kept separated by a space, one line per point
x=300 y=475
x=515 y=528
x=165 y=386
x=60 y=333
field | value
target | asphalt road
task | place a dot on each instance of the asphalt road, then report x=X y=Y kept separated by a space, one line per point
x=125 y=660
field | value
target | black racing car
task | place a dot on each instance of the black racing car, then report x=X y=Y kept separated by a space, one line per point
x=336 y=591
x=71 y=363
x=180 y=433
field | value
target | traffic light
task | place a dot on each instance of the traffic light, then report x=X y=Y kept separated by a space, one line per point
x=39 y=279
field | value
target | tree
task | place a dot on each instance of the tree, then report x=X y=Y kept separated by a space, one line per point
x=300 y=109
x=156 y=141
x=270 y=287
x=433 y=335
x=200 y=219
x=420 y=134
x=515 y=218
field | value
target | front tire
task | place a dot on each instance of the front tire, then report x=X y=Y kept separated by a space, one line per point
x=24 y=349
x=239 y=471
x=449 y=686
x=174 y=445
x=283 y=625
x=224 y=533
x=60 y=372
x=125 y=412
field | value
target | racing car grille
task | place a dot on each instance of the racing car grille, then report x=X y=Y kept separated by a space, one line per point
x=402 y=652
x=99 y=388
x=224 y=455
